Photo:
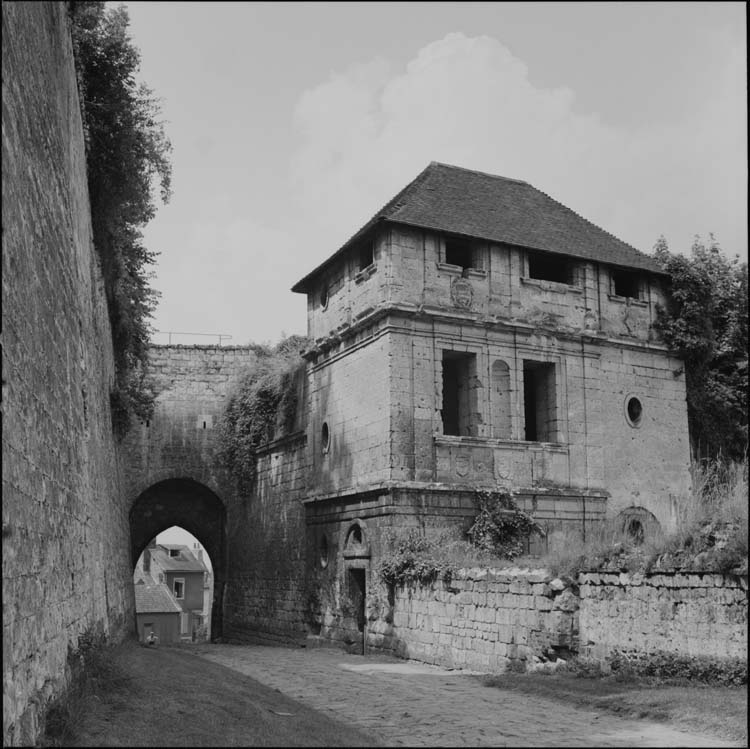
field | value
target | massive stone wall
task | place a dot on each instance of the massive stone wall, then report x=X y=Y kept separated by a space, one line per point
x=484 y=618
x=65 y=532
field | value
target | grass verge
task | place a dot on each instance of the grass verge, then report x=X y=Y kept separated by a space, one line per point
x=712 y=710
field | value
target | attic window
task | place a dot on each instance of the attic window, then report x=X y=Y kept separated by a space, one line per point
x=174 y=552
x=366 y=255
x=625 y=283
x=461 y=253
x=545 y=267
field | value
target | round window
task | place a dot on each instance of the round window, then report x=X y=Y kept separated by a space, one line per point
x=633 y=411
x=324 y=296
x=325 y=437
x=323 y=551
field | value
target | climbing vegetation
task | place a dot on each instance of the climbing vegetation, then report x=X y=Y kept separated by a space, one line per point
x=705 y=323
x=262 y=407
x=127 y=154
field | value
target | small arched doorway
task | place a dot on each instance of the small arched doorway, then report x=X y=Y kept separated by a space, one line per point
x=190 y=505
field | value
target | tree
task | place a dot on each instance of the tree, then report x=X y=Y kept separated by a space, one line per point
x=127 y=151
x=705 y=322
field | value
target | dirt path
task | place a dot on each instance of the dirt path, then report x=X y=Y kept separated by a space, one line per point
x=407 y=704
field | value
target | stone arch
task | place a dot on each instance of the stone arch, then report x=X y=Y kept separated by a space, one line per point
x=196 y=508
x=500 y=400
x=638 y=523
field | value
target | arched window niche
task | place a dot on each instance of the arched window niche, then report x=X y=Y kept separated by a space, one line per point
x=500 y=400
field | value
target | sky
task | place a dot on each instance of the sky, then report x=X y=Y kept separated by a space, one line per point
x=293 y=123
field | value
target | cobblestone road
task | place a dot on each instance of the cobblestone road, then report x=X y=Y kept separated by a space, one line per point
x=402 y=703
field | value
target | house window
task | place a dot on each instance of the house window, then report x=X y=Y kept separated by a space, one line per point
x=366 y=254
x=539 y=401
x=625 y=283
x=174 y=552
x=460 y=412
x=546 y=267
x=179 y=588
x=462 y=253
x=500 y=400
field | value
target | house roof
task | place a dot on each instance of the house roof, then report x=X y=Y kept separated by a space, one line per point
x=185 y=561
x=497 y=209
x=154 y=598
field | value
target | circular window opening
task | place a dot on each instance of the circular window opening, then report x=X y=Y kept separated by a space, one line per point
x=324 y=297
x=634 y=411
x=324 y=551
x=325 y=437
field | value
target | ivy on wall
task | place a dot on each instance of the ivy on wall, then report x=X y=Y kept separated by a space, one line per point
x=127 y=152
x=262 y=407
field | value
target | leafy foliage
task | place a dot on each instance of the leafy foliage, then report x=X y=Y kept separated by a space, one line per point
x=705 y=322
x=673 y=666
x=414 y=557
x=126 y=152
x=500 y=526
x=262 y=407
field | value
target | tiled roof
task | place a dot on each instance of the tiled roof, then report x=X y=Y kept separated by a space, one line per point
x=460 y=201
x=154 y=598
x=185 y=562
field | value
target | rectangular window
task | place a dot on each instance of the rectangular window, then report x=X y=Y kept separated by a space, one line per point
x=462 y=253
x=179 y=588
x=625 y=283
x=547 y=267
x=539 y=401
x=174 y=552
x=366 y=254
x=460 y=385
x=185 y=623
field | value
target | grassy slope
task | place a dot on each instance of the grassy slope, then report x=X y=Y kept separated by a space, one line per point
x=716 y=711
x=170 y=698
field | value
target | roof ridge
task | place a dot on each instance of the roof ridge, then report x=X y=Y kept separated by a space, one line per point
x=591 y=223
x=484 y=174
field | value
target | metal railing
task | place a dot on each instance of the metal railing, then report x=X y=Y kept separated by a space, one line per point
x=219 y=336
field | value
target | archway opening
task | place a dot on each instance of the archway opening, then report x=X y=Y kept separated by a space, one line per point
x=178 y=546
x=174 y=582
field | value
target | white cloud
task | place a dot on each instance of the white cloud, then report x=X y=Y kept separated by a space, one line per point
x=368 y=131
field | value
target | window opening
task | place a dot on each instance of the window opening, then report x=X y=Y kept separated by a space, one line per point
x=323 y=551
x=461 y=253
x=324 y=296
x=325 y=437
x=635 y=531
x=366 y=254
x=539 y=404
x=634 y=411
x=545 y=267
x=174 y=552
x=460 y=385
x=501 y=421
x=179 y=588
x=625 y=283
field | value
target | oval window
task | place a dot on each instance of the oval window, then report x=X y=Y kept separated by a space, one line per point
x=324 y=296
x=325 y=437
x=633 y=411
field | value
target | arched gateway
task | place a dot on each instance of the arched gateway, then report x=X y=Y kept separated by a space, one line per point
x=194 y=507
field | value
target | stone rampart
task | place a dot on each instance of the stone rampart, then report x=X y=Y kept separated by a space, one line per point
x=66 y=559
x=485 y=619
x=689 y=614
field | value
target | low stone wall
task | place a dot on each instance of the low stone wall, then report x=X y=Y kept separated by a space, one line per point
x=689 y=614
x=485 y=619
x=481 y=621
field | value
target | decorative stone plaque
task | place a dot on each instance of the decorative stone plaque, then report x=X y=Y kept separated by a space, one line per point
x=462 y=293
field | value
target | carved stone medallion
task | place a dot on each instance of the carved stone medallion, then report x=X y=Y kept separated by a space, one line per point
x=462 y=293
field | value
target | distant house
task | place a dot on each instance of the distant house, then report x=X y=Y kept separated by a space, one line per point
x=183 y=576
x=156 y=612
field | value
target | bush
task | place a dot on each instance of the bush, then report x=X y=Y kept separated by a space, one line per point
x=412 y=557
x=671 y=666
x=500 y=526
